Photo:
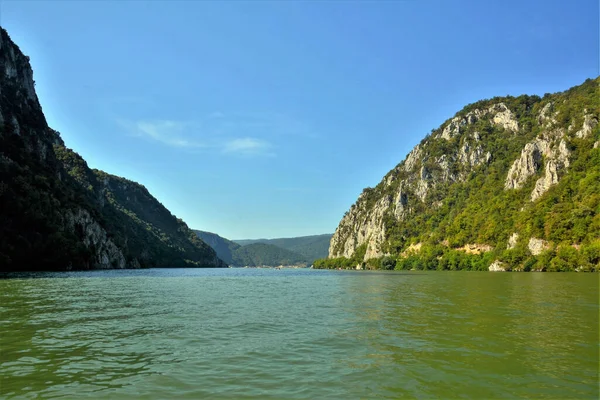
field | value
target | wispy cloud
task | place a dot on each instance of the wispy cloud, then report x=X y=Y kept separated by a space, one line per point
x=243 y=134
x=248 y=146
x=171 y=133
x=225 y=136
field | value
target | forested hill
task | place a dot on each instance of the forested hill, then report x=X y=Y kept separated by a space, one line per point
x=311 y=247
x=252 y=254
x=225 y=248
x=263 y=254
x=58 y=214
x=507 y=183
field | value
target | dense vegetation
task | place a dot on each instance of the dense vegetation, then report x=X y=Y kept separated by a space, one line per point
x=262 y=254
x=253 y=254
x=224 y=248
x=56 y=213
x=439 y=257
x=478 y=209
x=311 y=247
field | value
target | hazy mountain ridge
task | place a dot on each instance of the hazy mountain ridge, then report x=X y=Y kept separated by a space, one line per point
x=253 y=254
x=312 y=247
x=224 y=248
x=59 y=214
x=510 y=182
x=263 y=254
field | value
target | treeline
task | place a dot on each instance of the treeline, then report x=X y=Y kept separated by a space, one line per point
x=561 y=258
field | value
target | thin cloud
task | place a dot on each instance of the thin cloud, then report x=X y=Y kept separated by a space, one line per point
x=167 y=132
x=247 y=146
x=243 y=134
x=180 y=134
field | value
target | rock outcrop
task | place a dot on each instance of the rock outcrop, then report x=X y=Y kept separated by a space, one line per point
x=526 y=166
x=475 y=248
x=549 y=148
x=504 y=117
x=589 y=123
x=537 y=246
x=499 y=114
x=512 y=241
x=369 y=230
x=106 y=254
x=497 y=266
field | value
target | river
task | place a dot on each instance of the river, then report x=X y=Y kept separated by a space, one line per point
x=263 y=333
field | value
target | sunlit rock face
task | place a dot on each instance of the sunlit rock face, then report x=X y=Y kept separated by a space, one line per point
x=526 y=142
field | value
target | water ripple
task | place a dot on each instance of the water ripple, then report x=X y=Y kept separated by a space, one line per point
x=298 y=334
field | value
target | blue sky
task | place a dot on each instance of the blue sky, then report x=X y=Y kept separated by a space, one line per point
x=267 y=119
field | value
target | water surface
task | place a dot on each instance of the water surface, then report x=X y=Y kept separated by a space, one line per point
x=241 y=333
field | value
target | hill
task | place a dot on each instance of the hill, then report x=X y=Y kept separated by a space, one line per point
x=311 y=247
x=253 y=254
x=262 y=254
x=224 y=248
x=58 y=214
x=507 y=183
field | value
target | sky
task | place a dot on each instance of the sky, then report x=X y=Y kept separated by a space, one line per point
x=267 y=119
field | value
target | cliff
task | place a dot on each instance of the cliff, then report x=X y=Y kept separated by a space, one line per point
x=58 y=214
x=517 y=178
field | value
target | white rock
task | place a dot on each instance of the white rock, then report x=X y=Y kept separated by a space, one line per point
x=497 y=266
x=530 y=161
x=512 y=241
x=524 y=167
x=411 y=160
x=549 y=179
x=444 y=163
x=364 y=226
x=421 y=189
x=504 y=117
x=453 y=128
x=546 y=117
x=537 y=246
x=589 y=123
x=401 y=204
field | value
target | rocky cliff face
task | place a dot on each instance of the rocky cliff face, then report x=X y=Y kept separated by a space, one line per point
x=483 y=177
x=56 y=213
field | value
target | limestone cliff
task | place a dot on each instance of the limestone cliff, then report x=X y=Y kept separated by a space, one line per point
x=494 y=175
x=56 y=213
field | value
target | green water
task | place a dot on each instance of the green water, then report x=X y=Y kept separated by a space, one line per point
x=299 y=334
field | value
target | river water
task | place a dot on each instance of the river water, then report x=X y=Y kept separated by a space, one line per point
x=259 y=333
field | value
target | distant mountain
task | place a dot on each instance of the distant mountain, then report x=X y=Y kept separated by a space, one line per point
x=225 y=248
x=262 y=254
x=58 y=214
x=251 y=254
x=311 y=247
